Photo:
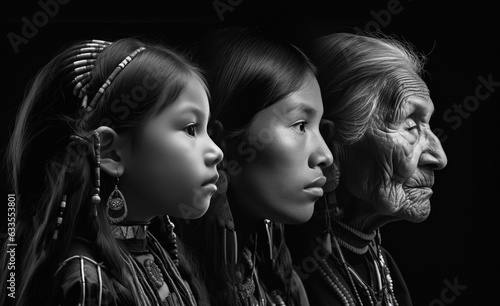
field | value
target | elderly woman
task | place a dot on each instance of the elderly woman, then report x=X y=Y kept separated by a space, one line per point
x=379 y=109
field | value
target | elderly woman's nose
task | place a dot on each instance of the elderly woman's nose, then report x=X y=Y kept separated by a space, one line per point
x=433 y=154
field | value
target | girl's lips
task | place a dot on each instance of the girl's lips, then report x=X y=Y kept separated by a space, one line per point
x=319 y=182
x=213 y=180
x=211 y=188
x=315 y=192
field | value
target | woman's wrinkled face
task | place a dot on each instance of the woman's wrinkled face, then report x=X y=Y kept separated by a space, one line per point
x=172 y=167
x=392 y=167
x=282 y=158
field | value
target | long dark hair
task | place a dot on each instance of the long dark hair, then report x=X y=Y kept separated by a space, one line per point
x=44 y=166
x=247 y=72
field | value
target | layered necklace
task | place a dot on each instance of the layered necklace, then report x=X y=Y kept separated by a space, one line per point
x=155 y=272
x=380 y=289
x=250 y=290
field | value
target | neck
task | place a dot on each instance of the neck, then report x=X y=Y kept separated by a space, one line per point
x=136 y=211
x=245 y=224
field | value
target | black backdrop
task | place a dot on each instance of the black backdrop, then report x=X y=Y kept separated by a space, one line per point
x=455 y=245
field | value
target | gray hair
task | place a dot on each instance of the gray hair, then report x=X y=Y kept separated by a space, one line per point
x=360 y=77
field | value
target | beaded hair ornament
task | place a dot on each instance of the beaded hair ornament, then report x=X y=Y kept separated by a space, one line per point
x=83 y=62
x=83 y=65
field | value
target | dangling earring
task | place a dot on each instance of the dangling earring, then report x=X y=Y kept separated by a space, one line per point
x=172 y=240
x=96 y=199
x=332 y=174
x=327 y=241
x=270 y=239
x=60 y=217
x=116 y=202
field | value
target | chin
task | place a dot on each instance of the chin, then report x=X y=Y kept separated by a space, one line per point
x=201 y=210
x=193 y=211
x=298 y=216
x=418 y=212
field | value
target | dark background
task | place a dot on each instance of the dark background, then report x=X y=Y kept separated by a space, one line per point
x=456 y=243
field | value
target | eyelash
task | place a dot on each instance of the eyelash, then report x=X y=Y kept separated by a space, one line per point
x=193 y=127
x=410 y=124
x=303 y=123
x=412 y=127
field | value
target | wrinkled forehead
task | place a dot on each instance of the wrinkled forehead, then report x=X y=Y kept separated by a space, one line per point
x=409 y=92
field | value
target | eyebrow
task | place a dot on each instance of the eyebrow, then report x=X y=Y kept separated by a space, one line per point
x=413 y=106
x=196 y=110
x=301 y=107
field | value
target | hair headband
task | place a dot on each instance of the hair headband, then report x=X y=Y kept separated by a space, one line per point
x=83 y=63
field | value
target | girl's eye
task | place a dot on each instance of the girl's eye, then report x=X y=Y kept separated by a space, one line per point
x=191 y=129
x=301 y=126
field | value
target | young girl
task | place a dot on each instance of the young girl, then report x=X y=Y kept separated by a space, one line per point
x=110 y=136
x=268 y=107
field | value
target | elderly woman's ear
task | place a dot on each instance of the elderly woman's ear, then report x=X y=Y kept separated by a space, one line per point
x=332 y=173
x=327 y=128
x=216 y=132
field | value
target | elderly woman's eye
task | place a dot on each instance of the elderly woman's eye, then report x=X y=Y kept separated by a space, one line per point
x=411 y=131
x=411 y=125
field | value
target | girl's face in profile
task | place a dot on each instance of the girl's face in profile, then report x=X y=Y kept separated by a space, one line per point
x=172 y=168
x=282 y=180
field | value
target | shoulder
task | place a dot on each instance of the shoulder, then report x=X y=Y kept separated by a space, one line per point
x=81 y=280
x=318 y=286
x=400 y=289
x=299 y=286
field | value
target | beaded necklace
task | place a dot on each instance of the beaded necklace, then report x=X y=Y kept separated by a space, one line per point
x=155 y=271
x=250 y=290
x=382 y=295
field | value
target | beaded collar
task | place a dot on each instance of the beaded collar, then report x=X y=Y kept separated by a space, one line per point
x=352 y=239
x=132 y=235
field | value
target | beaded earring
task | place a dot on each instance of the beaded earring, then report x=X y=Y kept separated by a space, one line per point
x=219 y=210
x=96 y=199
x=116 y=203
x=332 y=174
x=270 y=239
x=172 y=241
x=225 y=220
x=60 y=217
x=277 y=299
